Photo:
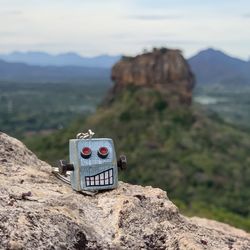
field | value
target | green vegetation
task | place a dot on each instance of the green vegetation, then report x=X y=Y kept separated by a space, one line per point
x=203 y=162
x=204 y=210
x=28 y=108
x=231 y=102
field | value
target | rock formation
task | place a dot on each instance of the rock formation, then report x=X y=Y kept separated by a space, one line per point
x=163 y=69
x=38 y=211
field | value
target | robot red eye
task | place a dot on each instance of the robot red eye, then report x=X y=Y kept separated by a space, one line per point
x=103 y=152
x=86 y=152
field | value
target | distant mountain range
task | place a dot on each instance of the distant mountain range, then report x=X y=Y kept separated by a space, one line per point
x=215 y=67
x=210 y=66
x=20 y=72
x=67 y=59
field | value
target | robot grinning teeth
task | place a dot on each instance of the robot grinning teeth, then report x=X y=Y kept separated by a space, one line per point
x=104 y=178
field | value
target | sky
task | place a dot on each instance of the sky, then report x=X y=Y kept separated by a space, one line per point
x=114 y=27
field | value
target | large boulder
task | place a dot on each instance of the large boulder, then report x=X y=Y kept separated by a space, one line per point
x=162 y=69
x=38 y=211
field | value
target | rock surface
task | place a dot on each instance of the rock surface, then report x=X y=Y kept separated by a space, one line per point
x=163 y=69
x=38 y=211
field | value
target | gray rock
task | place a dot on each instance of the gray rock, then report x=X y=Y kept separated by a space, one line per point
x=165 y=70
x=38 y=211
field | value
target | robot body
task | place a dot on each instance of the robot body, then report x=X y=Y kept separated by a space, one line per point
x=93 y=171
x=93 y=164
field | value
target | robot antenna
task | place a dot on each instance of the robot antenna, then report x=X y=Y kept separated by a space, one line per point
x=87 y=135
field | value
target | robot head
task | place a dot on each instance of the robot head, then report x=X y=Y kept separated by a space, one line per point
x=95 y=164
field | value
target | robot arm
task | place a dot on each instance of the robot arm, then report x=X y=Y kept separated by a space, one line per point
x=122 y=162
x=64 y=166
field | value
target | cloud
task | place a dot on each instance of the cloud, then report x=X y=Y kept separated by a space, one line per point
x=7 y=33
x=160 y=42
x=154 y=17
x=246 y=15
x=137 y=36
x=11 y=12
x=93 y=27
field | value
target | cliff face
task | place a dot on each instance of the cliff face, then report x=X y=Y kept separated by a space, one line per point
x=38 y=211
x=162 y=69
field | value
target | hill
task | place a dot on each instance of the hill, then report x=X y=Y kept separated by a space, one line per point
x=66 y=59
x=201 y=161
x=20 y=72
x=213 y=66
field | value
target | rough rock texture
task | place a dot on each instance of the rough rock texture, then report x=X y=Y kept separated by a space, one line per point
x=162 y=69
x=38 y=211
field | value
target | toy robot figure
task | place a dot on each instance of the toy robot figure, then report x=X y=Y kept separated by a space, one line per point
x=93 y=165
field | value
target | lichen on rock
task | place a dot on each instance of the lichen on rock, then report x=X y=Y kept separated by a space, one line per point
x=38 y=211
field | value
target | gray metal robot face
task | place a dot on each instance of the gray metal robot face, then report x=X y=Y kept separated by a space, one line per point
x=95 y=164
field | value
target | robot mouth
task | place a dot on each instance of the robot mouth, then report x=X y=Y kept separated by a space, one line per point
x=104 y=178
